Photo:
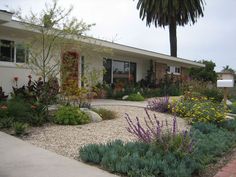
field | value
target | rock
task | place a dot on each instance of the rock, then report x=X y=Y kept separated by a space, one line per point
x=94 y=117
x=125 y=97
x=52 y=109
x=228 y=102
x=229 y=117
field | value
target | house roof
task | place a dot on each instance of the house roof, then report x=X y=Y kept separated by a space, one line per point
x=154 y=55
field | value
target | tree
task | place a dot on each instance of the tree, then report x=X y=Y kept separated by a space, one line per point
x=170 y=13
x=228 y=69
x=53 y=30
x=204 y=74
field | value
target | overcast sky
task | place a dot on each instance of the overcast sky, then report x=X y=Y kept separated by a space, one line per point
x=213 y=37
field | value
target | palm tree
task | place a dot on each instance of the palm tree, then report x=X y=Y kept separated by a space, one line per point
x=170 y=13
x=228 y=69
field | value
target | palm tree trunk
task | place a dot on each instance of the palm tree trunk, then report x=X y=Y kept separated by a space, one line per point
x=173 y=38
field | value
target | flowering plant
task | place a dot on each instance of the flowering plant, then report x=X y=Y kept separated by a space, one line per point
x=199 y=109
x=161 y=134
x=159 y=104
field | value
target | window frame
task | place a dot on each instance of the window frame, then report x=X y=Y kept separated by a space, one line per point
x=124 y=61
x=172 y=70
x=14 y=63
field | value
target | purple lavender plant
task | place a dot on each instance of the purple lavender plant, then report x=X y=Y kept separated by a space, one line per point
x=154 y=131
x=159 y=104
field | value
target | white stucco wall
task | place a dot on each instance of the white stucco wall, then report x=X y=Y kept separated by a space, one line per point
x=9 y=70
x=7 y=75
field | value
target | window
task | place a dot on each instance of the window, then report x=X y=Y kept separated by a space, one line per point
x=108 y=69
x=168 y=69
x=173 y=70
x=21 y=53
x=119 y=71
x=6 y=51
x=13 y=52
x=177 y=70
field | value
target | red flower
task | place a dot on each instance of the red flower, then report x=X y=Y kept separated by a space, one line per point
x=16 y=79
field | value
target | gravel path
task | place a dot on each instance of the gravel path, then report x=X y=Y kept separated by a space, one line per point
x=67 y=140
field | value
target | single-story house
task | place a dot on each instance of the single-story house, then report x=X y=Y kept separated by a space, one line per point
x=124 y=62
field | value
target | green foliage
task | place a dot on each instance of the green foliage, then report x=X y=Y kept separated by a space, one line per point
x=233 y=108
x=6 y=122
x=3 y=111
x=22 y=111
x=213 y=93
x=230 y=125
x=138 y=159
x=169 y=86
x=212 y=143
x=69 y=115
x=150 y=93
x=19 y=109
x=206 y=73
x=105 y=113
x=135 y=97
x=19 y=128
x=199 y=109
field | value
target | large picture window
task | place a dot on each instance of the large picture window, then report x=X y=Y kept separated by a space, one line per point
x=119 y=71
x=13 y=52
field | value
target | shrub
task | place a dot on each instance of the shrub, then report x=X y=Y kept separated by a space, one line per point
x=159 y=104
x=233 y=108
x=19 y=109
x=208 y=112
x=19 y=128
x=150 y=93
x=167 y=139
x=135 y=97
x=68 y=115
x=105 y=113
x=6 y=122
x=213 y=93
x=199 y=109
x=3 y=110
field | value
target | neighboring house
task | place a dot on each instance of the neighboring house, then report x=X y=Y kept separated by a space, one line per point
x=123 y=64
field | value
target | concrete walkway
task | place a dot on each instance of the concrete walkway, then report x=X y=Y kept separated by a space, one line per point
x=20 y=159
x=110 y=102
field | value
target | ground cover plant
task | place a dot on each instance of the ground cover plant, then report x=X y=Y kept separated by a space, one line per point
x=163 y=152
x=105 y=113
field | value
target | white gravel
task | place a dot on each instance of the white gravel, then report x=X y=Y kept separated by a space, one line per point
x=67 y=140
